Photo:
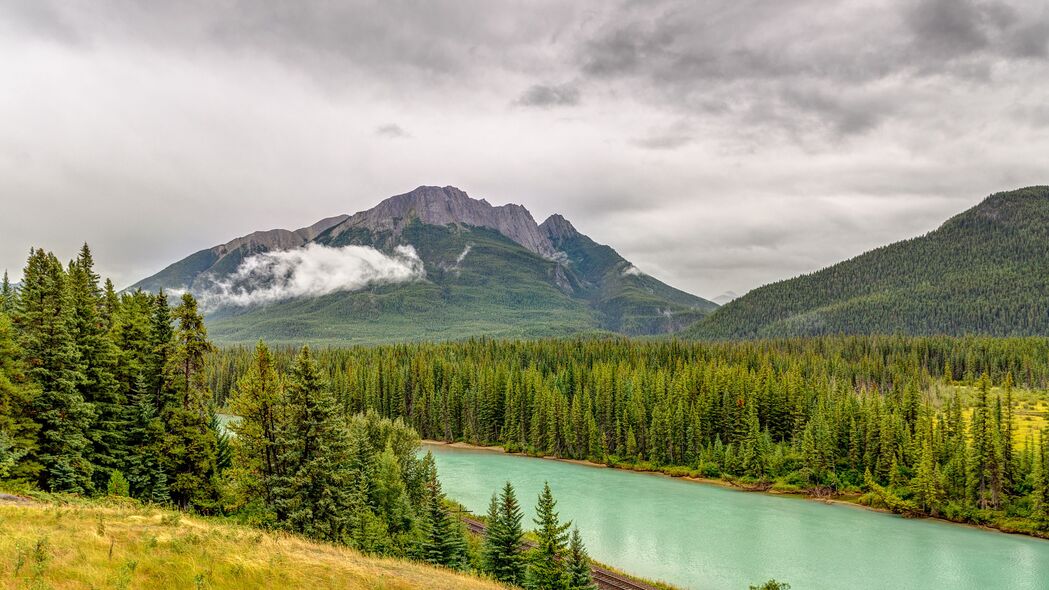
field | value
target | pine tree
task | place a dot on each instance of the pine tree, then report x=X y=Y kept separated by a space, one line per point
x=443 y=542
x=17 y=428
x=577 y=564
x=981 y=445
x=7 y=295
x=504 y=556
x=44 y=320
x=927 y=483
x=258 y=399
x=145 y=435
x=313 y=494
x=161 y=343
x=546 y=569
x=189 y=456
x=98 y=357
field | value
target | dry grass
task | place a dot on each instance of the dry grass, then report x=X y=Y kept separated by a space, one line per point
x=85 y=545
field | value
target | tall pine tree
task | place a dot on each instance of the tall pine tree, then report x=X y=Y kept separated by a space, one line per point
x=189 y=457
x=45 y=322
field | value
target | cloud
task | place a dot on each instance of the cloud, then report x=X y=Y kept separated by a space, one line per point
x=717 y=145
x=311 y=271
x=392 y=131
x=544 y=96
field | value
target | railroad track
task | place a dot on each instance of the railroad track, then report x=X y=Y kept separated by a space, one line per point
x=605 y=579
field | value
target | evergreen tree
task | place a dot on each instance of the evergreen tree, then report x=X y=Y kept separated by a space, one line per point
x=443 y=542
x=189 y=457
x=577 y=564
x=313 y=493
x=504 y=547
x=546 y=568
x=98 y=357
x=258 y=400
x=17 y=428
x=44 y=320
x=7 y=295
x=161 y=347
x=145 y=436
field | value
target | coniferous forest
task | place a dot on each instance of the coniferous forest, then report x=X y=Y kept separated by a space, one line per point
x=922 y=426
x=107 y=394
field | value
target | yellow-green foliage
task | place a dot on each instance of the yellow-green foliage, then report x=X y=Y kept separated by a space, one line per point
x=124 y=545
x=1030 y=409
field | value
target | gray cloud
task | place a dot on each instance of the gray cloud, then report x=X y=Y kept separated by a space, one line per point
x=391 y=130
x=717 y=145
x=546 y=96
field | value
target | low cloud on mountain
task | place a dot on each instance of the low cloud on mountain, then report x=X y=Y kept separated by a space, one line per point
x=311 y=271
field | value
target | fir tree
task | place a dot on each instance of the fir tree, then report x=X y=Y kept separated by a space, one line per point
x=443 y=542
x=504 y=547
x=98 y=357
x=7 y=295
x=258 y=400
x=44 y=319
x=17 y=427
x=313 y=495
x=577 y=564
x=189 y=444
x=146 y=479
x=546 y=568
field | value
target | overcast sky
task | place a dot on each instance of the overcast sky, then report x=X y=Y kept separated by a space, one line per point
x=717 y=145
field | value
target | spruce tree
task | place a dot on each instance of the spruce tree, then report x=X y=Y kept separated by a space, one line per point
x=7 y=295
x=189 y=456
x=504 y=547
x=44 y=320
x=258 y=399
x=145 y=435
x=98 y=358
x=577 y=564
x=443 y=542
x=546 y=568
x=161 y=343
x=17 y=427
x=313 y=494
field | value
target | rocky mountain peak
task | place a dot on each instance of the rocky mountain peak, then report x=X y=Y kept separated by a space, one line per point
x=450 y=206
x=558 y=229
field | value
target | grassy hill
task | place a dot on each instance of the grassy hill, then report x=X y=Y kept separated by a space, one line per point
x=984 y=271
x=123 y=545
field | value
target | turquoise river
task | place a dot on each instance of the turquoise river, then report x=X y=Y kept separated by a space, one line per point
x=704 y=536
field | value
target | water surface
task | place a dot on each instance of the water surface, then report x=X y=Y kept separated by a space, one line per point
x=704 y=536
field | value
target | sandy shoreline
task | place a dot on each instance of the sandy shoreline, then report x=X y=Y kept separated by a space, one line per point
x=840 y=500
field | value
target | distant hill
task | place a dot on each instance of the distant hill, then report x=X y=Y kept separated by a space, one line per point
x=984 y=271
x=429 y=264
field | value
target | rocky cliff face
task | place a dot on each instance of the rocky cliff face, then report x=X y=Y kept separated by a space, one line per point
x=557 y=229
x=448 y=206
x=278 y=239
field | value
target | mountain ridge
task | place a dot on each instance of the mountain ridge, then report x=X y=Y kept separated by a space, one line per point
x=491 y=267
x=981 y=271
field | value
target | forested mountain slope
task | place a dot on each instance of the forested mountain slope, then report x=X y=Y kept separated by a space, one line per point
x=984 y=271
x=429 y=264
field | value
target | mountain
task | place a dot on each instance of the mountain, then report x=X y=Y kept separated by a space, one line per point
x=725 y=297
x=432 y=263
x=984 y=271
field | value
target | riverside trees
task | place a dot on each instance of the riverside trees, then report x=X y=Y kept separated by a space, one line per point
x=808 y=414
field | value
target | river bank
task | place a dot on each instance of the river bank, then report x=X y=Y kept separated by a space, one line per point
x=851 y=500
